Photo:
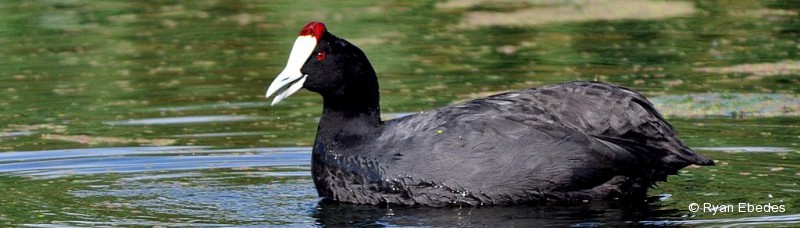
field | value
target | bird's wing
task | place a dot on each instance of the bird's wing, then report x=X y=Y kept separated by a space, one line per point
x=499 y=146
x=615 y=114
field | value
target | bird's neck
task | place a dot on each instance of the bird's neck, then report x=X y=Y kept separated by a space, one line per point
x=348 y=119
x=353 y=112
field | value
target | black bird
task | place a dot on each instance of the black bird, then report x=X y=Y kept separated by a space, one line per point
x=567 y=142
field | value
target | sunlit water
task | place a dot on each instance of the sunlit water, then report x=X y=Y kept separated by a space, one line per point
x=152 y=114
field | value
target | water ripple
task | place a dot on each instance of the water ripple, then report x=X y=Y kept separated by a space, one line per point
x=747 y=149
x=234 y=105
x=731 y=222
x=56 y=163
x=182 y=120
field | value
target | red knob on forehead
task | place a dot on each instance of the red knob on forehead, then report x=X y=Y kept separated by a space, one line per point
x=313 y=28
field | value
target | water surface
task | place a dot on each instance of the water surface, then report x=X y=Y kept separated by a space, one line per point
x=152 y=113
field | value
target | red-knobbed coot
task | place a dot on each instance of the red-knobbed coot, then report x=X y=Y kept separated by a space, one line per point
x=567 y=142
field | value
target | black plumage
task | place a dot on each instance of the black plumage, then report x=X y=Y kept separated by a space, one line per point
x=565 y=142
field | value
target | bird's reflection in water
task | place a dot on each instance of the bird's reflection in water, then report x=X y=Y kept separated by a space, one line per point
x=605 y=213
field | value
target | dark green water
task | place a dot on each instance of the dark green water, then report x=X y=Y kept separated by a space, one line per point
x=152 y=112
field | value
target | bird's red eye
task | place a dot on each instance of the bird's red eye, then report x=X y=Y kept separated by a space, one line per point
x=321 y=56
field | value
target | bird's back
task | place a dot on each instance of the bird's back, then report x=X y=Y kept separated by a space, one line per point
x=615 y=114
